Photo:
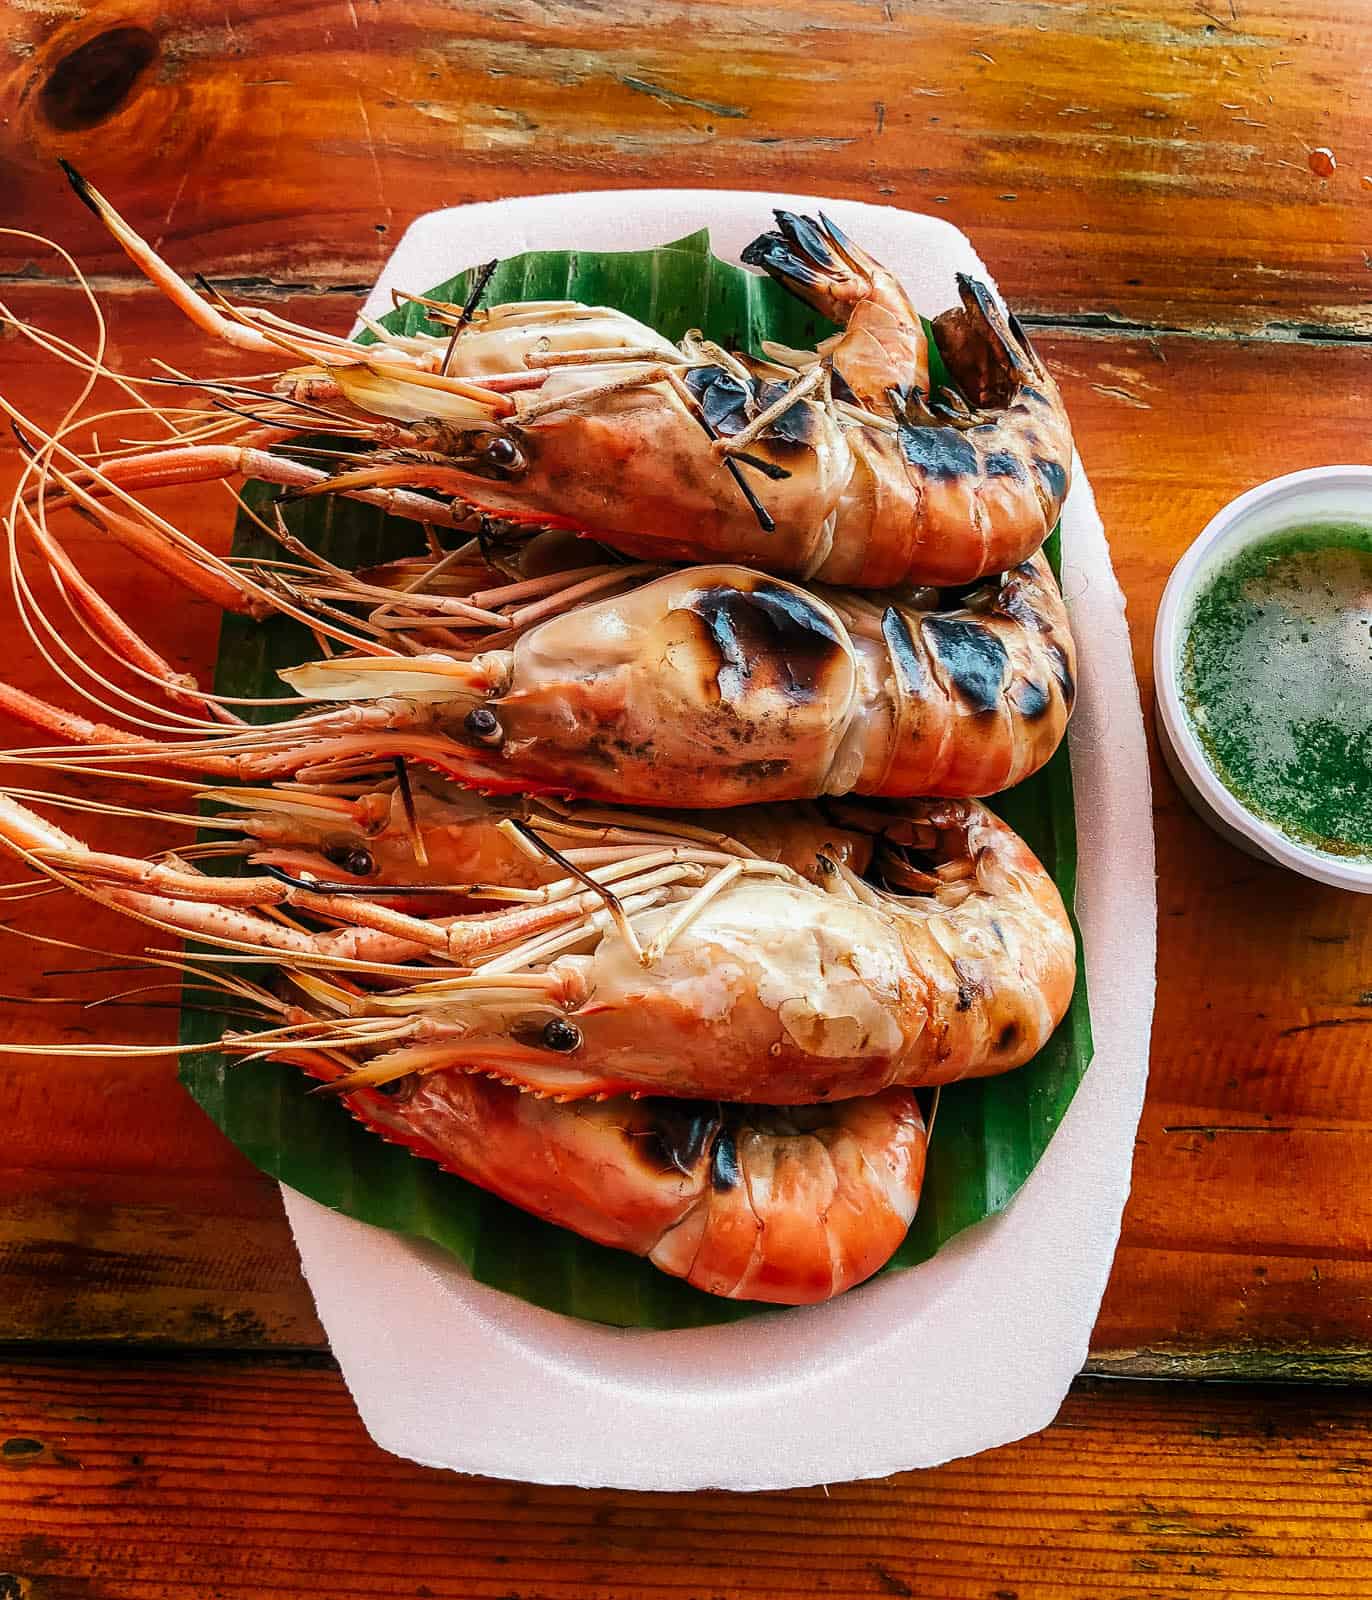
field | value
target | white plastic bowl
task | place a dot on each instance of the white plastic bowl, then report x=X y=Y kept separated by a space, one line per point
x=1322 y=494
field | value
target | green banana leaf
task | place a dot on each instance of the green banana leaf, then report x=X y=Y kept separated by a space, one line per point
x=988 y=1135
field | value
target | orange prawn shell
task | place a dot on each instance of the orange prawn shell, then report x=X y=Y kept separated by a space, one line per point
x=793 y=1210
x=721 y=686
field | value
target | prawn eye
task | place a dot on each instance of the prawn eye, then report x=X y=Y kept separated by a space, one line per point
x=483 y=725
x=561 y=1035
x=352 y=858
x=501 y=452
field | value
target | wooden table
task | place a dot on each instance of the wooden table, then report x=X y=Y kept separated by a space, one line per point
x=1140 y=177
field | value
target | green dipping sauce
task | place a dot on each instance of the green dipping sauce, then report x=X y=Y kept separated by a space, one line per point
x=1277 y=680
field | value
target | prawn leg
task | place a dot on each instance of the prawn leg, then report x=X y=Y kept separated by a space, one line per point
x=151 y=265
x=190 y=464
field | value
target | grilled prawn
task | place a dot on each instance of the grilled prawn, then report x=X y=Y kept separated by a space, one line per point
x=790 y=1205
x=686 y=966
x=840 y=464
x=708 y=686
x=430 y=837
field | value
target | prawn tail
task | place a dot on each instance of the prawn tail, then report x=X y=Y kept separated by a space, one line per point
x=813 y=259
x=984 y=347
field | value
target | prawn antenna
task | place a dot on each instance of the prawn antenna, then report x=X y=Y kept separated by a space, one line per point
x=765 y=521
x=469 y=305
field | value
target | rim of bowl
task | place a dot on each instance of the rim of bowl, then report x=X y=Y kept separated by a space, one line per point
x=1226 y=526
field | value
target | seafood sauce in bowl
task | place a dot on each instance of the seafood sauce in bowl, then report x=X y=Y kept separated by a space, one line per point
x=1263 y=658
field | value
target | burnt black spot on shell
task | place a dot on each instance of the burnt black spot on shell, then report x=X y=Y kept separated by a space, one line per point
x=797 y=425
x=1031 y=700
x=1053 y=476
x=1057 y=659
x=970 y=981
x=905 y=655
x=1001 y=464
x=941 y=452
x=730 y=403
x=975 y=659
x=1011 y=601
x=768 y=637
x=758 y=771
x=721 y=396
x=840 y=390
x=1008 y=1037
x=677 y=1135
x=724 y=1168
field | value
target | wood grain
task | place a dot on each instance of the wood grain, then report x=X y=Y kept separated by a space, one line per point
x=176 y=1481
x=1246 y=1243
x=1145 y=162
x=1140 y=168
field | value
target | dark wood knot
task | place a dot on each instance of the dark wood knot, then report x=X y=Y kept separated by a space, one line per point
x=94 y=80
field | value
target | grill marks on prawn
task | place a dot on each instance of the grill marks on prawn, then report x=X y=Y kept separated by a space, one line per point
x=731 y=402
x=678 y=1135
x=768 y=638
x=977 y=662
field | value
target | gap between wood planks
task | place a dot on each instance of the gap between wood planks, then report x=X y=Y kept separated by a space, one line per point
x=1288 y=1366
x=1101 y=324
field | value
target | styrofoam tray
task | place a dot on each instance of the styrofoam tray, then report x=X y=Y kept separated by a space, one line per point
x=974 y=1348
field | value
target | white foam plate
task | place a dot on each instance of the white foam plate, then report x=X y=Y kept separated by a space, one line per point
x=974 y=1348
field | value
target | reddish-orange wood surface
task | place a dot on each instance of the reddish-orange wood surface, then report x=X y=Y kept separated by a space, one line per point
x=1144 y=161
x=177 y=1482
x=1140 y=179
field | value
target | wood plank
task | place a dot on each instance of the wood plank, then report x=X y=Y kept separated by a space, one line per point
x=1246 y=1243
x=1146 y=161
x=174 y=1481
